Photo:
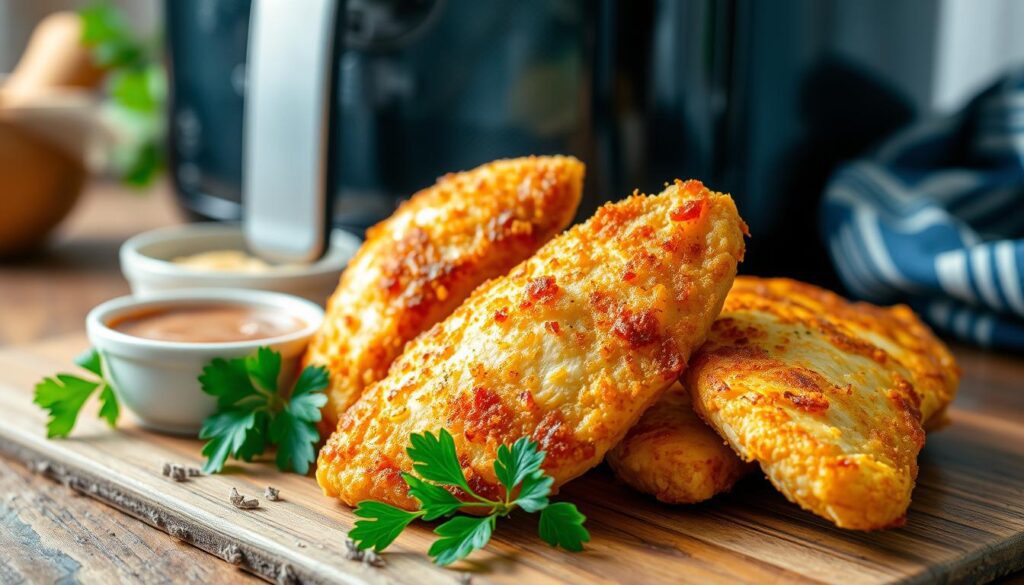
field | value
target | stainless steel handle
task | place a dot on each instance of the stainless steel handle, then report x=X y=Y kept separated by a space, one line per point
x=287 y=104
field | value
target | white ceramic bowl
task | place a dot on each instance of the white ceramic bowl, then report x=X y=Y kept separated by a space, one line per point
x=158 y=380
x=146 y=263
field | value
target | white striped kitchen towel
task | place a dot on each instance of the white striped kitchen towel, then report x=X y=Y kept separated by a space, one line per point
x=935 y=218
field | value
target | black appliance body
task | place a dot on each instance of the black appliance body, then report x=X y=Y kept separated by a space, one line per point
x=760 y=99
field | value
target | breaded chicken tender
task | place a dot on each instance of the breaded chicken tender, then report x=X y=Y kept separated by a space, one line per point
x=568 y=349
x=418 y=265
x=674 y=456
x=830 y=397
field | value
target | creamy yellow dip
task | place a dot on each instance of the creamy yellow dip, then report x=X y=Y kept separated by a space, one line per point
x=225 y=261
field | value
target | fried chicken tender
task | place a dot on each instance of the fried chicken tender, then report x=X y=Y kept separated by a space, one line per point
x=568 y=349
x=830 y=397
x=418 y=265
x=674 y=456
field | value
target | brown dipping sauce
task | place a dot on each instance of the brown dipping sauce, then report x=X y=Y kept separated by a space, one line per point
x=212 y=323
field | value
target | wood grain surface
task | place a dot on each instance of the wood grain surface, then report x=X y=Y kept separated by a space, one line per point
x=52 y=533
x=49 y=293
x=966 y=522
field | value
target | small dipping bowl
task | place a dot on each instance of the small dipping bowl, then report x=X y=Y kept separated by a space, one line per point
x=158 y=380
x=147 y=263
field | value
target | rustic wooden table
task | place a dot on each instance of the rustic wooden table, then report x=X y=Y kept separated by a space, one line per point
x=49 y=534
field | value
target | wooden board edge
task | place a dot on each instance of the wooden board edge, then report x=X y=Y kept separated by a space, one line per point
x=247 y=557
x=985 y=566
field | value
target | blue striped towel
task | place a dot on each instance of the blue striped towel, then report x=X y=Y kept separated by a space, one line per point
x=935 y=218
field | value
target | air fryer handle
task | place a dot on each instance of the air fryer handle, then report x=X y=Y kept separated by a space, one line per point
x=290 y=65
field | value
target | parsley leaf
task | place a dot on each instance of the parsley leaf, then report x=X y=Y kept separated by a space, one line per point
x=382 y=525
x=90 y=360
x=227 y=380
x=459 y=537
x=104 y=30
x=436 y=463
x=434 y=459
x=307 y=400
x=256 y=440
x=110 y=410
x=293 y=428
x=533 y=493
x=561 y=524
x=513 y=465
x=227 y=432
x=132 y=89
x=295 y=439
x=137 y=91
x=263 y=369
x=435 y=500
x=64 y=395
x=252 y=415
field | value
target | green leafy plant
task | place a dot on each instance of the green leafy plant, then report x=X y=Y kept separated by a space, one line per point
x=137 y=89
x=252 y=415
x=64 y=395
x=437 y=468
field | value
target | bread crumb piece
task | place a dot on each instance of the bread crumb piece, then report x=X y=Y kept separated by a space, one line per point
x=178 y=473
x=238 y=500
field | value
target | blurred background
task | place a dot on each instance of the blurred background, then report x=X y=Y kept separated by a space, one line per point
x=763 y=99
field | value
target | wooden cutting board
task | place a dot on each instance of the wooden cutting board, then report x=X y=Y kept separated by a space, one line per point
x=966 y=522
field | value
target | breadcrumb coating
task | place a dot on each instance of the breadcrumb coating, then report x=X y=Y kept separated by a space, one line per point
x=674 y=456
x=568 y=349
x=828 y=396
x=418 y=265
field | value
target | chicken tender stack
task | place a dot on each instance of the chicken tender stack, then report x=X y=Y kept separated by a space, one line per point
x=674 y=456
x=569 y=348
x=418 y=265
x=830 y=397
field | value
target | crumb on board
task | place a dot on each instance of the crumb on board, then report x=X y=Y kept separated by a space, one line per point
x=251 y=504
x=239 y=501
x=179 y=472
x=272 y=494
x=352 y=551
x=371 y=558
x=368 y=557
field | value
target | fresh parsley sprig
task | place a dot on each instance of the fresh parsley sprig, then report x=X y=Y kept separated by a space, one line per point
x=64 y=395
x=136 y=88
x=252 y=415
x=436 y=464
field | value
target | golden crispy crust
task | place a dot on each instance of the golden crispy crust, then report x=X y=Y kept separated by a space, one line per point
x=828 y=396
x=569 y=348
x=418 y=265
x=672 y=455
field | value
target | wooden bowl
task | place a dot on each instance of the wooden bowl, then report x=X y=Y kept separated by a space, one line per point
x=40 y=186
